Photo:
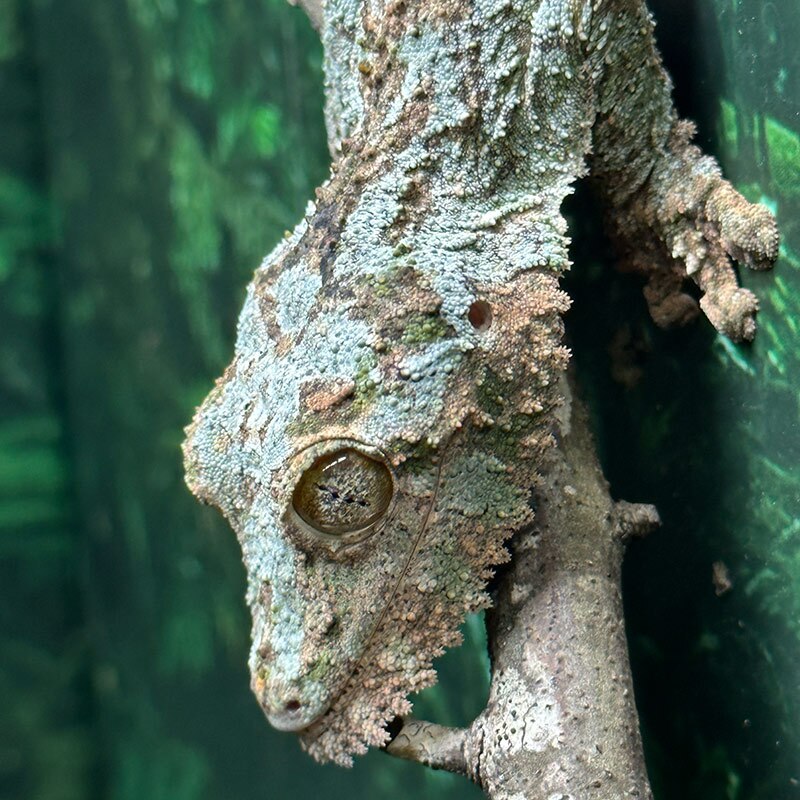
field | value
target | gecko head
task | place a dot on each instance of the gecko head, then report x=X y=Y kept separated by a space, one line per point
x=348 y=519
x=364 y=444
x=324 y=454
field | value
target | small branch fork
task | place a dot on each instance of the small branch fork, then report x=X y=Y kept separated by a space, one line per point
x=560 y=721
x=433 y=745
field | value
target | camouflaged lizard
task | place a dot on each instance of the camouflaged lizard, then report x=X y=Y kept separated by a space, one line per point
x=376 y=438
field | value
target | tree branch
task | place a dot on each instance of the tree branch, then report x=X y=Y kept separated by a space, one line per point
x=434 y=745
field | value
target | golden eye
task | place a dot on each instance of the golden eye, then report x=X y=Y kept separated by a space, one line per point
x=343 y=492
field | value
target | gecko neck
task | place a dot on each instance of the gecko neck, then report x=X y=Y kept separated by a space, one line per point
x=456 y=102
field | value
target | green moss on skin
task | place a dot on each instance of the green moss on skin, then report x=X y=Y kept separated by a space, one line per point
x=424 y=328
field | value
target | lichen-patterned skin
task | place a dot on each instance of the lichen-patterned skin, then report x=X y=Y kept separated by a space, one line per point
x=458 y=128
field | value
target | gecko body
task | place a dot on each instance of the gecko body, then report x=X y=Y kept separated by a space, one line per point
x=393 y=393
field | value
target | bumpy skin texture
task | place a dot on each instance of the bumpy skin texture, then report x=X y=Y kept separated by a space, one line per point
x=459 y=127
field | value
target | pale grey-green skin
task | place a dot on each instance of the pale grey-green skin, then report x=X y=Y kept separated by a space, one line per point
x=460 y=127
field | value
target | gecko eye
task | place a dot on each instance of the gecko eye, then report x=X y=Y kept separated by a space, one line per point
x=343 y=492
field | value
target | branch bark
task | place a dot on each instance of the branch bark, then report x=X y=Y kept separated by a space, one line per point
x=561 y=719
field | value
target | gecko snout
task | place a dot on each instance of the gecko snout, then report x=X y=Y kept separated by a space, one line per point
x=291 y=714
x=288 y=717
x=291 y=706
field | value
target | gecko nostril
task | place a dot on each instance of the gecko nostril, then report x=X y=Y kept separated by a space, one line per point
x=332 y=627
x=292 y=705
x=480 y=315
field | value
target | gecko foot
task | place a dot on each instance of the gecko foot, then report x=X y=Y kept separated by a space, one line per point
x=707 y=226
x=703 y=241
x=687 y=222
x=734 y=229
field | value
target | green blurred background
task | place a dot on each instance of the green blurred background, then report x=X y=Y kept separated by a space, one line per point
x=151 y=152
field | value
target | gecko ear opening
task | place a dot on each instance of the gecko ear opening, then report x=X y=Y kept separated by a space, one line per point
x=480 y=315
x=343 y=492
